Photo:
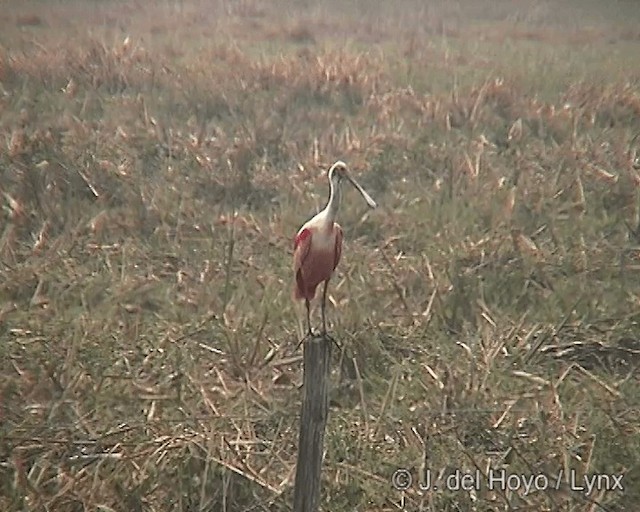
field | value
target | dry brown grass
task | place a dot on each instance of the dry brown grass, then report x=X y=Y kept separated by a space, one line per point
x=153 y=171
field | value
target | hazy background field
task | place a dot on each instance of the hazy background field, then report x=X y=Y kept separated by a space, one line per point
x=158 y=157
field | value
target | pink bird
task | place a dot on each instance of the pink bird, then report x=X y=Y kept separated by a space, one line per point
x=318 y=244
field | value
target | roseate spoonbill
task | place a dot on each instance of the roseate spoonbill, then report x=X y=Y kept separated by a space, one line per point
x=318 y=244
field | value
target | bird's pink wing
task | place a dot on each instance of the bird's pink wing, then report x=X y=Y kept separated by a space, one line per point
x=301 y=246
x=338 y=251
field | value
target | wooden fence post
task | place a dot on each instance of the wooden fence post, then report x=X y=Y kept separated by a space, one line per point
x=313 y=419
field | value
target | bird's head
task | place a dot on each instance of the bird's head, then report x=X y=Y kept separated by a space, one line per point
x=339 y=172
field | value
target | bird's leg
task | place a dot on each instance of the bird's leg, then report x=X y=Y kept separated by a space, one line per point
x=324 y=304
x=324 y=318
x=306 y=303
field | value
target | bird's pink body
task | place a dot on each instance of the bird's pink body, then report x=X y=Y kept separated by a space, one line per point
x=317 y=251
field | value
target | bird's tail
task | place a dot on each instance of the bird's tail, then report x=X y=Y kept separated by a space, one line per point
x=300 y=291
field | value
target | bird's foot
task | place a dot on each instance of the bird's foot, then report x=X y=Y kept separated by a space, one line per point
x=330 y=338
x=305 y=337
x=322 y=334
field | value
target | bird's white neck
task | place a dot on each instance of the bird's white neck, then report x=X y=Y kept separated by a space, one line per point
x=333 y=204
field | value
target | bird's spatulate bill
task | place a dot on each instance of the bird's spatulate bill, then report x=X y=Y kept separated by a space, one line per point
x=362 y=191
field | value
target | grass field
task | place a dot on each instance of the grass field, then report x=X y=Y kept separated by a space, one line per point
x=158 y=157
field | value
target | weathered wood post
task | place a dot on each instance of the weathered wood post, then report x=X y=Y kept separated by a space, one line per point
x=313 y=418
